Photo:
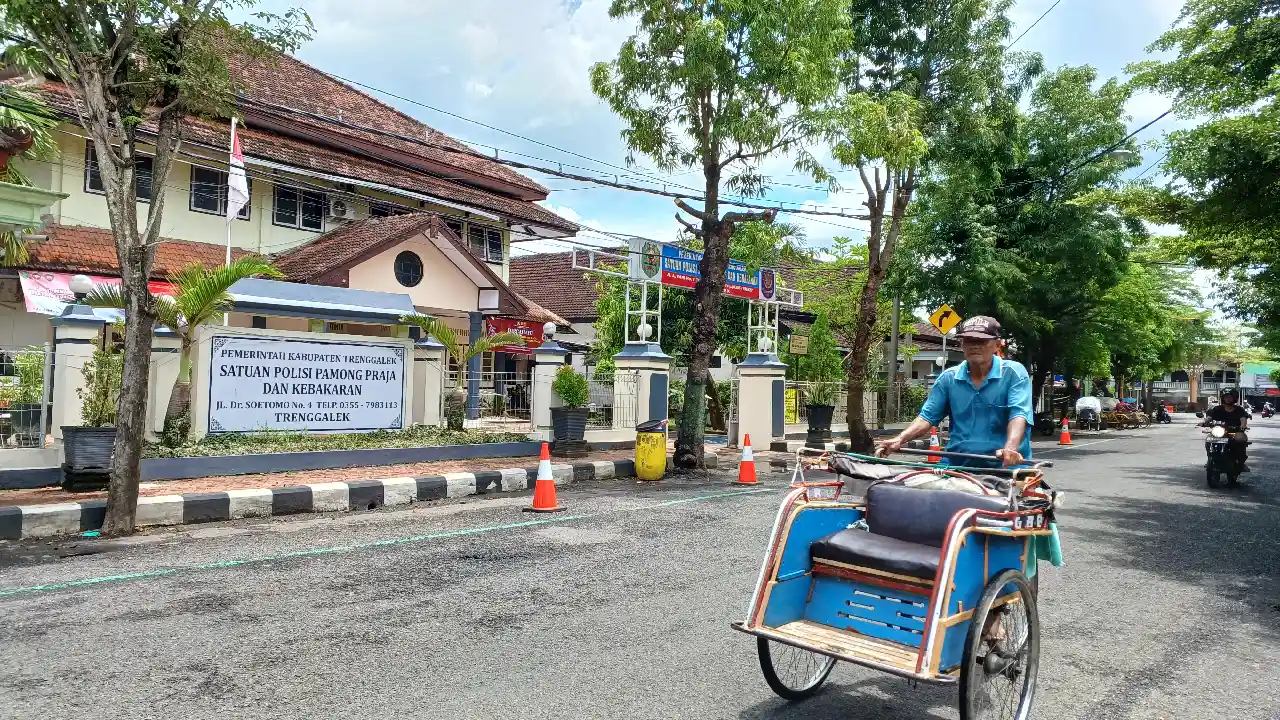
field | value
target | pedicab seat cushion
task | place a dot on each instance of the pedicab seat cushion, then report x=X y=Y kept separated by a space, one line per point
x=907 y=529
x=863 y=549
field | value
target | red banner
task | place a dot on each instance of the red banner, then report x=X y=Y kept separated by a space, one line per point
x=48 y=293
x=1273 y=392
x=527 y=329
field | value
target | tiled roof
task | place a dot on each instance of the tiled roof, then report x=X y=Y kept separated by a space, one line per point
x=339 y=248
x=550 y=280
x=76 y=249
x=346 y=246
x=285 y=80
x=277 y=148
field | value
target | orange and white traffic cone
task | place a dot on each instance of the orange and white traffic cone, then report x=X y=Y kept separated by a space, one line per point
x=933 y=445
x=747 y=466
x=1065 y=437
x=544 y=488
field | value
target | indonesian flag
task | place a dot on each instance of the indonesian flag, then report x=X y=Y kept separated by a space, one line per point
x=237 y=184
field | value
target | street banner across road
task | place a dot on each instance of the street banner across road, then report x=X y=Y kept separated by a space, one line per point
x=259 y=383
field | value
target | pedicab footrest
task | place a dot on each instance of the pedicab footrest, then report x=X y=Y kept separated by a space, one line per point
x=851 y=645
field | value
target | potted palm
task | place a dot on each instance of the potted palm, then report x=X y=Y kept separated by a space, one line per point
x=819 y=407
x=455 y=400
x=200 y=296
x=569 y=420
x=87 y=448
x=28 y=396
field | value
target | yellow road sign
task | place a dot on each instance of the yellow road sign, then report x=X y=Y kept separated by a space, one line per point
x=944 y=318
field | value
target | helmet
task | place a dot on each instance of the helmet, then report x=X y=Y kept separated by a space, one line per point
x=1231 y=393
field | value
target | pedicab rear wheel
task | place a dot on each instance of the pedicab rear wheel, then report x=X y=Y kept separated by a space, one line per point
x=792 y=673
x=1002 y=656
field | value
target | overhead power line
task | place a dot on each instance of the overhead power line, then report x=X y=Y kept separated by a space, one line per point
x=557 y=172
x=1037 y=22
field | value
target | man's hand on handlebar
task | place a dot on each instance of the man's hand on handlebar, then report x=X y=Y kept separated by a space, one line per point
x=1009 y=457
x=888 y=447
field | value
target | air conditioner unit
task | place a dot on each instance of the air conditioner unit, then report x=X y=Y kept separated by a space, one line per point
x=340 y=209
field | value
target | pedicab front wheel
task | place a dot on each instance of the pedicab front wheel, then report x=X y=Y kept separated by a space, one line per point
x=792 y=673
x=1002 y=652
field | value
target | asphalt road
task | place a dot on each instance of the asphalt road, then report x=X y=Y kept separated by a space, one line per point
x=1168 y=607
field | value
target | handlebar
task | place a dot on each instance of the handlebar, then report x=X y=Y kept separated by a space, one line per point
x=965 y=456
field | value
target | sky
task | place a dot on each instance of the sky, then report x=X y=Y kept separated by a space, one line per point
x=522 y=66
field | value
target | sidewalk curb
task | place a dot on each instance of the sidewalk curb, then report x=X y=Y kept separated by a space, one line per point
x=19 y=522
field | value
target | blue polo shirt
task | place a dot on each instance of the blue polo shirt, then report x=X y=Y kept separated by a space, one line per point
x=980 y=416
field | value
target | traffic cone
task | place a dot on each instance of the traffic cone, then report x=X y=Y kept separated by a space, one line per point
x=747 y=467
x=544 y=489
x=1065 y=437
x=933 y=445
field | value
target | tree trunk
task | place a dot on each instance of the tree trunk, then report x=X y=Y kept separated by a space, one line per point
x=864 y=334
x=707 y=296
x=1037 y=387
x=176 y=421
x=715 y=408
x=131 y=406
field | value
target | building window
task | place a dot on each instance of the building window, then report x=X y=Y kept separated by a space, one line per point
x=259 y=322
x=486 y=243
x=381 y=209
x=455 y=226
x=302 y=209
x=142 y=178
x=408 y=268
x=716 y=362
x=209 y=192
x=486 y=365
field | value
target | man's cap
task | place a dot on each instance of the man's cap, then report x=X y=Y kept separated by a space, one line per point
x=1232 y=392
x=980 y=327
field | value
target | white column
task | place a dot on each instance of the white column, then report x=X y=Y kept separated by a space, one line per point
x=76 y=333
x=760 y=399
x=652 y=368
x=166 y=357
x=547 y=360
x=428 y=381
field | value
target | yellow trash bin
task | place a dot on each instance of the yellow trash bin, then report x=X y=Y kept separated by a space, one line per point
x=651 y=450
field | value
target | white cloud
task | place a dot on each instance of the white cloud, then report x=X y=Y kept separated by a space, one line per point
x=479 y=89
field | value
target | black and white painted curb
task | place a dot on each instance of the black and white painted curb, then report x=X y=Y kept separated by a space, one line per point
x=30 y=521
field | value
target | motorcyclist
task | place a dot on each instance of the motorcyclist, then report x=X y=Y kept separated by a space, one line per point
x=1236 y=419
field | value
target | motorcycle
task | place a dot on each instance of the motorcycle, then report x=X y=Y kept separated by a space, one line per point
x=1221 y=457
x=1267 y=412
x=1087 y=419
x=1161 y=415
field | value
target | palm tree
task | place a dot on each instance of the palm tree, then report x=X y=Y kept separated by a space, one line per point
x=26 y=132
x=460 y=352
x=200 y=294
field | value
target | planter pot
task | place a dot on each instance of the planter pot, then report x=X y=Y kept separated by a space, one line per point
x=25 y=419
x=819 y=424
x=569 y=424
x=88 y=448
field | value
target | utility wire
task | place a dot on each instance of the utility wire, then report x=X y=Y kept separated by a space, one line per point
x=1152 y=165
x=1037 y=22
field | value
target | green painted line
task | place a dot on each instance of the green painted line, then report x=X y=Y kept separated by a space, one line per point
x=337 y=549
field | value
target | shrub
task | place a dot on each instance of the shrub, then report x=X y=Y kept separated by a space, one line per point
x=571 y=386
x=101 y=387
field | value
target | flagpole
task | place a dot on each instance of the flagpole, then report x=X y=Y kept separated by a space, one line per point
x=226 y=316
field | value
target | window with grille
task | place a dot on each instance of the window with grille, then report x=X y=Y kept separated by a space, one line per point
x=297 y=208
x=142 y=179
x=209 y=192
x=485 y=243
x=455 y=226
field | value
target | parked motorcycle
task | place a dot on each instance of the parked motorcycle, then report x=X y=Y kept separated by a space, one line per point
x=1221 y=457
x=1087 y=419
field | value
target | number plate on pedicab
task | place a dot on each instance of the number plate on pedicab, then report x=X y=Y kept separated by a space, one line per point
x=821 y=490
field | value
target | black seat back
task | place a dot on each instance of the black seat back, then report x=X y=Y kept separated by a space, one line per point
x=920 y=516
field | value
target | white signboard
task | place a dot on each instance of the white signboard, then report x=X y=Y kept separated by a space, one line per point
x=259 y=383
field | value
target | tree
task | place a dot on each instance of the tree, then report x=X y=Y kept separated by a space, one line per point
x=721 y=86
x=139 y=68
x=824 y=362
x=1225 y=184
x=26 y=133
x=922 y=81
x=1026 y=238
x=200 y=296
x=757 y=245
